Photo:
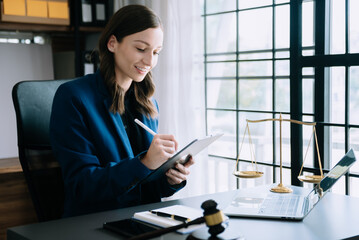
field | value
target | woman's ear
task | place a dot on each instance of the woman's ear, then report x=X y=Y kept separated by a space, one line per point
x=111 y=43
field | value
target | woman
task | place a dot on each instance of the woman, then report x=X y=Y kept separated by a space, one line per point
x=102 y=152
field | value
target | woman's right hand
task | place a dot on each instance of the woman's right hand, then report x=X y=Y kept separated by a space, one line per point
x=162 y=147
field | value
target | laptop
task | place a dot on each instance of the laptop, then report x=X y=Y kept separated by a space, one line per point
x=287 y=206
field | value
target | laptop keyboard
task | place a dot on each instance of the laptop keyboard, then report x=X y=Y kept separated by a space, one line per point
x=285 y=205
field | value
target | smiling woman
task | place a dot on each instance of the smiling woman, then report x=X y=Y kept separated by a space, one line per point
x=103 y=154
x=141 y=49
x=127 y=27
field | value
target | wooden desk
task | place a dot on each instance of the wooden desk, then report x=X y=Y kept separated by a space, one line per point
x=335 y=217
x=15 y=203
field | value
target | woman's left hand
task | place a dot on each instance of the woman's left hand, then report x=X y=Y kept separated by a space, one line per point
x=178 y=175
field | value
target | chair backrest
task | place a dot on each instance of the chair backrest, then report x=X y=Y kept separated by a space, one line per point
x=33 y=102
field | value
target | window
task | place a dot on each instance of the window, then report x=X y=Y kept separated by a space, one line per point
x=23 y=38
x=300 y=60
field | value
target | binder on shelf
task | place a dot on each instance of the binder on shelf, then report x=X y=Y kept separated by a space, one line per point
x=94 y=12
x=86 y=12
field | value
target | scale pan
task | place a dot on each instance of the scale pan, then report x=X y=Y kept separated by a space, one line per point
x=311 y=178
x=248 y=174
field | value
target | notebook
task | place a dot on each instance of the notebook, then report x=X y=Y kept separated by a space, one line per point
x=180 y=210
x=288 y=206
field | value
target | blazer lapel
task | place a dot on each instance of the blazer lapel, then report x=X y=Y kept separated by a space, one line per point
x=116 y=118
x=120 y=128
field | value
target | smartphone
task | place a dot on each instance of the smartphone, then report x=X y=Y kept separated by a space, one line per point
x=129 y=227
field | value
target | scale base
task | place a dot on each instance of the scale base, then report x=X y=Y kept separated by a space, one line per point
x=281 y=189
x=228 y=234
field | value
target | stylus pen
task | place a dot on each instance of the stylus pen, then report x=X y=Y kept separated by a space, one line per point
x=145 y=127
x=173 y=216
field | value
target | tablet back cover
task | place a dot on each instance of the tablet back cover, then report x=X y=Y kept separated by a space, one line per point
x=192 y=149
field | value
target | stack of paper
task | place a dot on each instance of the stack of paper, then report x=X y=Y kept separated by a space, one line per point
x=184 y=211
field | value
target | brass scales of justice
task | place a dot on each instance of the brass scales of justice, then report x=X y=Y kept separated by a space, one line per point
x=280 y=188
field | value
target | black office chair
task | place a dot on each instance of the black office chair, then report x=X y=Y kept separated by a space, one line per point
x=33 y=102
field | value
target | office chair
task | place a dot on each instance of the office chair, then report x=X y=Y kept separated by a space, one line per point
x=33 y=102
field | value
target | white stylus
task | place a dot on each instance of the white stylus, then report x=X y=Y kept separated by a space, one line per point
x=145 y=127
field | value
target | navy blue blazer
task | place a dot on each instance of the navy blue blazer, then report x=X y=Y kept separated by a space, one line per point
x=99 y=169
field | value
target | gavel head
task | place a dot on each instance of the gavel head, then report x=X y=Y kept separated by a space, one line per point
x=214 y=218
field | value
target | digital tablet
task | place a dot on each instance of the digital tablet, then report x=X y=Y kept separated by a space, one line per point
x=182 y=156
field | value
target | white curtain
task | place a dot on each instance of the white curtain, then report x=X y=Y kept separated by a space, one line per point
x=179 y=78
x=180 y=82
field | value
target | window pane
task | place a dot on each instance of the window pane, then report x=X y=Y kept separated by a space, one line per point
x=282 y=68
x=308 y=71
x=282 y=27
x=307 y=24
x=242 y=4
x=221 y=70
x=220 y=172
x=337 y=95
x=214 y=6
x=282 y=93
x=255 y=94
x=281 y=1
x=308 y=95
x=221 y=94
x=221 y=39
x=282 y=54
x=259 y=55
x=353 y=26
x=222 y=57
x=255 y=68
x=308 y=52
x=257 y=34
x=354 y=143
x=337 y=29
x=354 y=95
x=336 y=145
x=222 y=122
x=261 y=135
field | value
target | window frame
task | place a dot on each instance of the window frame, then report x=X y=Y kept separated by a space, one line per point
x=321 y=61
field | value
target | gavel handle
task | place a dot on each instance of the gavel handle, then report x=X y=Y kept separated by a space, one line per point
x=162 y=231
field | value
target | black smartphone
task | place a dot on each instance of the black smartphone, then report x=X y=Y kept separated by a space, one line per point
x=129 y=227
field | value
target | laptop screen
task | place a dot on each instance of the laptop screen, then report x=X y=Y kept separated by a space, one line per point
x=337 y=171
x=328 y=181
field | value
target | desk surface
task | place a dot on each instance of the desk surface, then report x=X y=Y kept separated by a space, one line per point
x=335 y=217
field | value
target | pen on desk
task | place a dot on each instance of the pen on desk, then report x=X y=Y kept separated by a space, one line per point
x=145 y=127
x=173 y=216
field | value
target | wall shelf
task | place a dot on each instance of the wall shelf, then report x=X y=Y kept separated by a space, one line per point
x=10 y=26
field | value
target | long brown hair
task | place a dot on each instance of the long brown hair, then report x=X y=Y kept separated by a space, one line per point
x=126 y=21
